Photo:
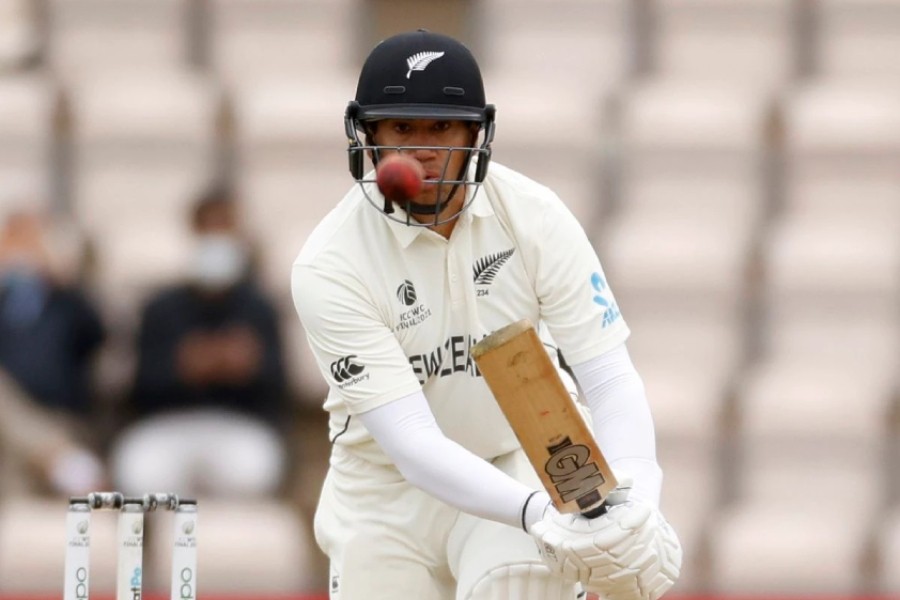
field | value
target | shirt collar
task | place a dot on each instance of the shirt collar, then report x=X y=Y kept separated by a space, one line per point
x=405 y=234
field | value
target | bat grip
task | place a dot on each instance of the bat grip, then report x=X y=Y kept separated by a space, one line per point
x=617 y=496
x=597 y=511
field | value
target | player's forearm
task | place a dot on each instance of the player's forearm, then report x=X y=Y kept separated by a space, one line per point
x=406 y=431
x=622 y=421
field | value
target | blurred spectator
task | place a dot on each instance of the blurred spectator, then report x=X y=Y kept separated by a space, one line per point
x=19 y=42
x=210 y=385
x=40 y=448
x=49 y=334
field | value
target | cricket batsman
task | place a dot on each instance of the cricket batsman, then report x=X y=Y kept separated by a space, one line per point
x=429 y=495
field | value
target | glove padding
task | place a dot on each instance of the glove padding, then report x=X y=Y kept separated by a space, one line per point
x=629 y=553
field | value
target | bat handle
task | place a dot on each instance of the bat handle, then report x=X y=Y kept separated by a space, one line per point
x=597 y=511
x=617 y=496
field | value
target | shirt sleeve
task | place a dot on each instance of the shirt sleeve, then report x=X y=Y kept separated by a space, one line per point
x=575 y=299
x=355 y=349
x=622 y=423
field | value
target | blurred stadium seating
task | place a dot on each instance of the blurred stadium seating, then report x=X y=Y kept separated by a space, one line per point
x=735 y=162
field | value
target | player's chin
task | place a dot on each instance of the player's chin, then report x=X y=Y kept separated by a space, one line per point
x=430 y=193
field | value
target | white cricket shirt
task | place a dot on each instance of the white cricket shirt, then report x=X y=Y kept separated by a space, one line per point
x=389 y=308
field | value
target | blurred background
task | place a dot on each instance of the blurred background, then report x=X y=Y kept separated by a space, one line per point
x=735 y=162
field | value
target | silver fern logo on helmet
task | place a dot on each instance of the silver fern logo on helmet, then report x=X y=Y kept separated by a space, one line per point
x=418 y=62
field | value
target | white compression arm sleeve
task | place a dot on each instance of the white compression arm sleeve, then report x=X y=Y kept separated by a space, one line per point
x=407 y=432
x=623 y=425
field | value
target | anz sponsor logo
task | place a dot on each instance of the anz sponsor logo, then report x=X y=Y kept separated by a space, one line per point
x=610 y=310
x=451 y=357
x=416 y=313
x=346 y=372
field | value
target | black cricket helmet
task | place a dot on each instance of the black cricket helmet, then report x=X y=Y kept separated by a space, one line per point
x=421 y=75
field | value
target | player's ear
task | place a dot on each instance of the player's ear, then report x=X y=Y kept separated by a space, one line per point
x=369 y=130
x=474 y=130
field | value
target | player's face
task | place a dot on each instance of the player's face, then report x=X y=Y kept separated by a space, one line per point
x=442 y=160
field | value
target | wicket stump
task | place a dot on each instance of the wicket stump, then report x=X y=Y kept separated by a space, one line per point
x=130 y=543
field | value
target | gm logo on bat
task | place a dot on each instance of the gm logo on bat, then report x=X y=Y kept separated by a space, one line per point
x=574 y=475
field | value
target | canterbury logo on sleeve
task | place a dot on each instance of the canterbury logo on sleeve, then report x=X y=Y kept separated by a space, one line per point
x=344 y=369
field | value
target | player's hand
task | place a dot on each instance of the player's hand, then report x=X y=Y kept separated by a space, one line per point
x=629 y=553
x=553 y=536
x=553 y=532
x=644 y=565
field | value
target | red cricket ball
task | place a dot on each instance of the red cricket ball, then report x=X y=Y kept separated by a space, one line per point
x=400 y=177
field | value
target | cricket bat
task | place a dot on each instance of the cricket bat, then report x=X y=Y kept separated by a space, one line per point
x=554 y=435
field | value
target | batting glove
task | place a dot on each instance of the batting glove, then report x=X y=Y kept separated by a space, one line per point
x=629 y=553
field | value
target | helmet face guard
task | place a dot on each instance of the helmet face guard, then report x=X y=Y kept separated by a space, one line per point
x=447 y=183
x=420 y=75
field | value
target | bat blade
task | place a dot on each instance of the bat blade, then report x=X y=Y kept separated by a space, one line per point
x=544 y=417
